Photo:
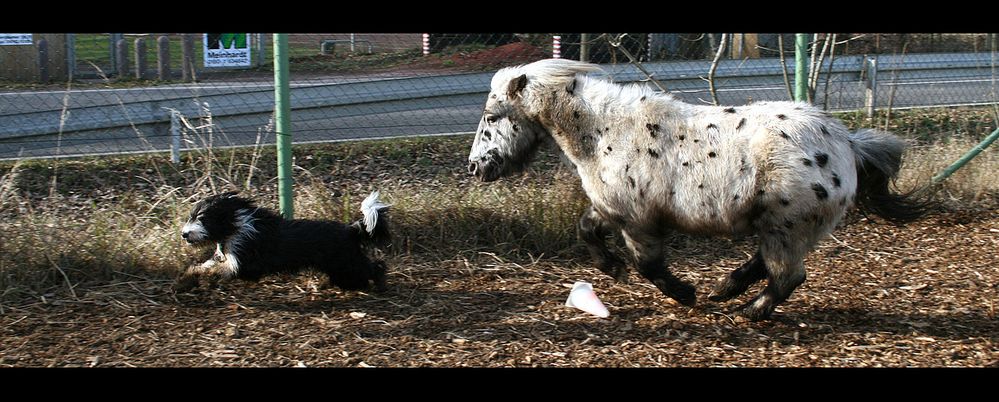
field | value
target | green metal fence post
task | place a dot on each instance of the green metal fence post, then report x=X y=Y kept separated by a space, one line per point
x=282 y=122
x=801 y=67
x=967 y=157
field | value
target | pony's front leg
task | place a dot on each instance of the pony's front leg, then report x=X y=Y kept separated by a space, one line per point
x=737 y=281
x=648 y=253
x=593 y=231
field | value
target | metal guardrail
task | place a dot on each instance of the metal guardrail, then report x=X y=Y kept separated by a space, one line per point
x=379 y=106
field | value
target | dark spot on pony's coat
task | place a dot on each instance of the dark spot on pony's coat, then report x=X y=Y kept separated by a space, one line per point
x=697 y=140
x=712 y=126
x=516 y=127
x=575 y=114
x=641 y=193
x=784 y=135
x=820 y=191
x=487 y=134
x=609 y=149
x=835 y=179
x=824 y=131
x=685 y=163
x=712 y=154
x=782 y=117
x=642 y=100
x=700 y=185
x=735 y=198
x=631 y=181
x=627 y=168
x=681 y=137
x=784 y=201
x=741 y=123
x=760 y=191
x=653 y=153
x=652 y=129
x=806 y=161
x=730 y=110
x=821 y=159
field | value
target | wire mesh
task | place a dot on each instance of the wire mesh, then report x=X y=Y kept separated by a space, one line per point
x=370 y=85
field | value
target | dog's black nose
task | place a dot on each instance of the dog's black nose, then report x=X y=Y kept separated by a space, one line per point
x=185 y=234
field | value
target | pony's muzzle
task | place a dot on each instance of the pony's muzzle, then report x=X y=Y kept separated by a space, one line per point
x=487 y=168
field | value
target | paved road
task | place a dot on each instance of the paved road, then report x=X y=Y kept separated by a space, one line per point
x=344 y=108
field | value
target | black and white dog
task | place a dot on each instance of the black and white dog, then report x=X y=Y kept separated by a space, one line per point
x=251 y=242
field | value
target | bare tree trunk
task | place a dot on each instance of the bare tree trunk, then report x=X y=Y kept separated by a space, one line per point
x=714 y=66
x=832 y=59
x=813 y=79
x=894 y=82
x=783 y=64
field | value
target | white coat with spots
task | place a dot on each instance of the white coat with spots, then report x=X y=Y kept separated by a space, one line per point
x=784 y=171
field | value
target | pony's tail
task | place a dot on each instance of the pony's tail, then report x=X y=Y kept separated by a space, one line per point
x=373 y=229
x=879 y=157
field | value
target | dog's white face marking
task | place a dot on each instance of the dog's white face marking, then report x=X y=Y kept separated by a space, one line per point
x=194 y=231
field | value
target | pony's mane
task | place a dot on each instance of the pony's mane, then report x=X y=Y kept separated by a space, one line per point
x=544 y=72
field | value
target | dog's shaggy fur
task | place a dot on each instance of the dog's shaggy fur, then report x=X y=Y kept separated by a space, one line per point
x=251 y=242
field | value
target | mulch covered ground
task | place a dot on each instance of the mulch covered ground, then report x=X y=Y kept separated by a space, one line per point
x=923 y=295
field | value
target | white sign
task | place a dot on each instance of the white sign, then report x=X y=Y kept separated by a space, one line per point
x=8 y=39
x=227 y=50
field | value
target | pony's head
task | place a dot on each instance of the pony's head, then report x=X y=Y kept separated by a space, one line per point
x=510 y=131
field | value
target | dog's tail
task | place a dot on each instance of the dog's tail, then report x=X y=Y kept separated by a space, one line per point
x=374 y=227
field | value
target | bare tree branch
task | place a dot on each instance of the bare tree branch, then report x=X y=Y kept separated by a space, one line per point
x=714 y=66
x=616 y=43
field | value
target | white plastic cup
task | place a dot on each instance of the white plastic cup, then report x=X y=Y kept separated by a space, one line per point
x=582 y=297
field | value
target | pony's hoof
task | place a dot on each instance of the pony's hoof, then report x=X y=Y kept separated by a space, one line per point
x=616 y=269
x=755 y=312
x=681 y=292
x=726 y=290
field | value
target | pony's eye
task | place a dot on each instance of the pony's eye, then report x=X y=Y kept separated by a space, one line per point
x=490 y=119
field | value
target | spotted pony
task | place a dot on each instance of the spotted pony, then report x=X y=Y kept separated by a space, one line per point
x=650 y=164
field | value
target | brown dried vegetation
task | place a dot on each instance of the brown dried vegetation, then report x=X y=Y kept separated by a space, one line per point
x=478 y=274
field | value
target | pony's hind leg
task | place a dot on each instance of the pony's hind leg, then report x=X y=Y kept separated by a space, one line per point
x=737 y=281
x=593 y=231
x=783 y=258
x=648 y=253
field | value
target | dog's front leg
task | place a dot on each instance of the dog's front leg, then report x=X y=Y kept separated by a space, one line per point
x=189 y=279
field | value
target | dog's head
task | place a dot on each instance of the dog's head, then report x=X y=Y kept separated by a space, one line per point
x=216 y=218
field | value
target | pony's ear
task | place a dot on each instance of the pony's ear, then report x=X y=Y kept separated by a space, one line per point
x=516 y=86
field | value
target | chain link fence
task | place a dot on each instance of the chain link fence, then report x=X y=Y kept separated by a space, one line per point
x=91 y=94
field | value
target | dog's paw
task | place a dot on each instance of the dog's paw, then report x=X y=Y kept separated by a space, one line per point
x=185 y=283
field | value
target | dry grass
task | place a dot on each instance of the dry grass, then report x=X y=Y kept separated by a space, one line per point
x=115 y=218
